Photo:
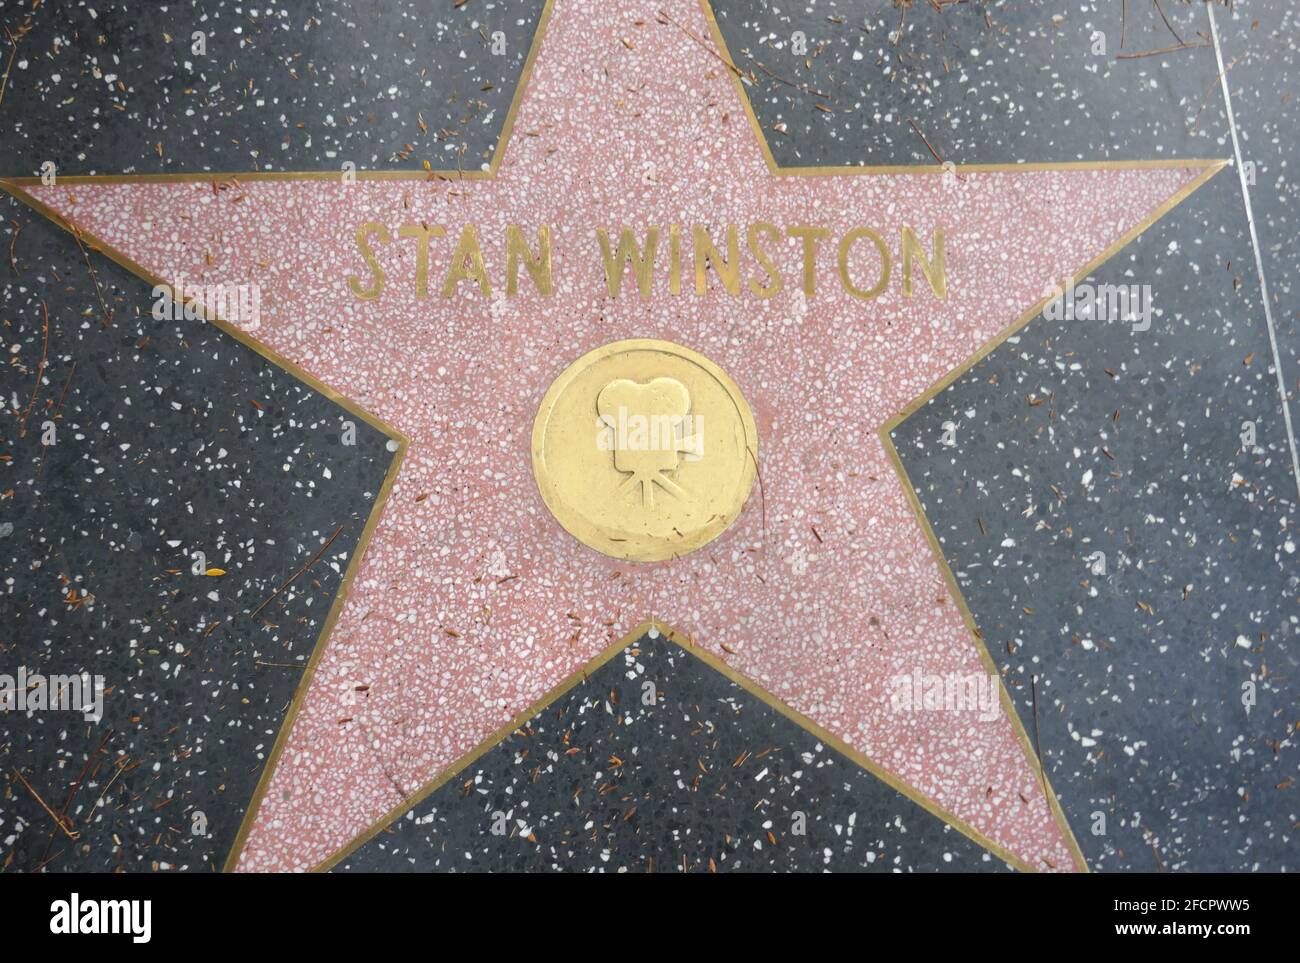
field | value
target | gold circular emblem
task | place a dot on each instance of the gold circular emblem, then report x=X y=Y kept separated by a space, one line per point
x=644 y=450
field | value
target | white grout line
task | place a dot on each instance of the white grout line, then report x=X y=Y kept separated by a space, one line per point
x=1259 y=261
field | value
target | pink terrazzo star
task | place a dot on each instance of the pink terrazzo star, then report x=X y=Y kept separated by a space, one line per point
x=631 y=120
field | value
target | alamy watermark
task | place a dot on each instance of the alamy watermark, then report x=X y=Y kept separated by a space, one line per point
x=1126 y=303
x=184 y=300
x=630 y=431
x=36 y=692
x=76 y=916
x=923 y=691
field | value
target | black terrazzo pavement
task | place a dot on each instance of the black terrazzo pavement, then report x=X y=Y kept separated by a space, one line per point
x=115 y=88
x=706 y=778
x=1083 y=437
x=1261 y=55
x=169 y=437
x=984 y=83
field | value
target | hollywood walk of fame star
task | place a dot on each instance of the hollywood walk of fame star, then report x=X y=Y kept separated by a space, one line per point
x=471 y=603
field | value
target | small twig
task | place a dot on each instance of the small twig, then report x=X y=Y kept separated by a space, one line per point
x=45 y=862
x=1161 y=11
x=902 y=18
x=933 y=153
x=1174 y=48
x=70 y=833
x=664 y=18
x=1038 y=751
x=392 y=780
x=76 y=788
x=803 y=88
x=1155 y=851
x=59 y=407
x=90 y=815
x=13 y=244
x=1205 y=98
x=930 y=147
x=313 y=561
x=108 y=315
x=13 y=53
x=762 y=495
x=40 y=372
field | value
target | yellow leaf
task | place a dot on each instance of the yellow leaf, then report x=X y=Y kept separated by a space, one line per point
x=215 y=571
